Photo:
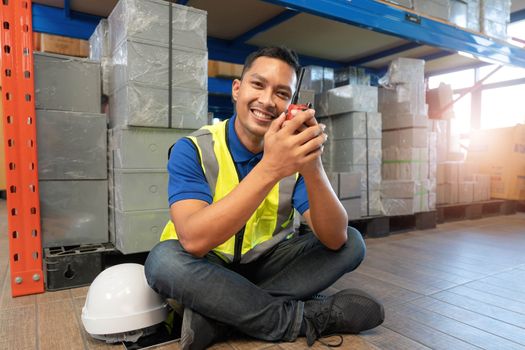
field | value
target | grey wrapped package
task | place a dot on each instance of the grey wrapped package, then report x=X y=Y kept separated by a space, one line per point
x=353 y=125
x=355 y=151
x=344 y=99
x=143 y=105
x=67 y=84
x=74 y=212
x=143 y=148
x=145 y=63
x=136 y=231
x=71 y=145
x=139 y=189
x=99 y=41
x=149 y=20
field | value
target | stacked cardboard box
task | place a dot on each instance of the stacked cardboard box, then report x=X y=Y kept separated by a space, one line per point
x=72 y=151
x=495 y=16
x=158 y=93
x=347 y=187
x=354 y=142
x=318 y=79
x=433 y=8
x=501 y=153
x=61 y=45
x=409 y=151
x=461 y=182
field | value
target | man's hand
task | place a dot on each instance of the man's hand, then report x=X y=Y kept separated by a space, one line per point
x=293 y=145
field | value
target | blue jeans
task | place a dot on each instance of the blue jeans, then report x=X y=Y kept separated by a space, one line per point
x=264 y=298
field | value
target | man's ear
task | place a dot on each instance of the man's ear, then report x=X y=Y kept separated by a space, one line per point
x=236 y=85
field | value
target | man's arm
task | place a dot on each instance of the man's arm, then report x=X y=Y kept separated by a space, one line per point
x=201 y=226
x=326 y=216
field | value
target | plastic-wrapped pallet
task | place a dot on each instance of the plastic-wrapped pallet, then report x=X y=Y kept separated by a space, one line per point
x=345 y=99
x=405 y=138
x=495 y=15
x=71 y=145
x=142 y=148
x=405 y=163
x=138 y=182
x=466 y=192
x=144 y=60
x=148 y=20
x=99 y=51
x=66 y=83
x=371 y=203
x=404 y=89
x=400 y=197
x=481 y=187
x=74 y=212
x=353 y=125
x=318 y=79
x=149 y=64
x=347 y=187
x=434 y=8
x=142 y=105
x=351 y=76
x=99 y=41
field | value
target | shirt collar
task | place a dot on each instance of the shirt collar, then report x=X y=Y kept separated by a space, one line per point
x=238 y=151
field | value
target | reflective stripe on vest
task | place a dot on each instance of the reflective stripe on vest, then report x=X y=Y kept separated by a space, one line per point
x=272 y=221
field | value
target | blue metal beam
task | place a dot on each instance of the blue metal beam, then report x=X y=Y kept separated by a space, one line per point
x=384 y=53
x=282 y=17
x=219 y=86
x=436 y=55
x=395 y=21
x=182 y=2
x=224 y=50
x=54 y=20
x=517 y=16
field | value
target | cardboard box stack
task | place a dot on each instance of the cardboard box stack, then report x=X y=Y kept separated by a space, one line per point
x=494 y=17
x=317 y=78
x=433 y=8
x=354 y=143
x=501 y=154
x=461 y=182
x=158 y=93
x=72 y=151
x=409 y=150
x=347 y=187
x=61 y=45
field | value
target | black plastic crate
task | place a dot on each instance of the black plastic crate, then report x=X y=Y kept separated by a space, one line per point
x=75 y=266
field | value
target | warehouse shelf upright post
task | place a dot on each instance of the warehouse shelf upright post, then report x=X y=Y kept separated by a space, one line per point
x=23 y=208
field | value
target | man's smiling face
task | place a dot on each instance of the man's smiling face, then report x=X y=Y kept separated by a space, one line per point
x=262 y=95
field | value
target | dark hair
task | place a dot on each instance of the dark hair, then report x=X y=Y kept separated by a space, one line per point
x=280 y=52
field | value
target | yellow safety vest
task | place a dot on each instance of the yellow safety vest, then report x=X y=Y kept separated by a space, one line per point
x=272 y=221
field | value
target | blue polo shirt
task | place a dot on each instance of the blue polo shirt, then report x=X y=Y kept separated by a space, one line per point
x=187 y=180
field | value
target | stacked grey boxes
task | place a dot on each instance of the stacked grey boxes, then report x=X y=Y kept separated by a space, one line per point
x=354 y=138
x=158 y=94
x=494 y=17
x=409 y=158
x=99 y=51
x=347 y=187
x=72 y=151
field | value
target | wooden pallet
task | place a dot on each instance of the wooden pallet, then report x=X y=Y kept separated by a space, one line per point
x=381 y=226
x=476 y=210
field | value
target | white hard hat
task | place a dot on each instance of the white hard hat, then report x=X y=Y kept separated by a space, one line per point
x=120 y=300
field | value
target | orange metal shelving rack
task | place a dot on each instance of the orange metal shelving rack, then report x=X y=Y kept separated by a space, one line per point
x=23 y=207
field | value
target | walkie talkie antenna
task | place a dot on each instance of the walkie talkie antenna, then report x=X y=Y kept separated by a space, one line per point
x=295 y=96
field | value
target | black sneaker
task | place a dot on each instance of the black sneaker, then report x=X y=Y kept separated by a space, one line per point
x=199 y=332
x=349 y=311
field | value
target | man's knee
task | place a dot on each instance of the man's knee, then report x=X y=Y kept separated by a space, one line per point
x=160 y=264
x=354 y=248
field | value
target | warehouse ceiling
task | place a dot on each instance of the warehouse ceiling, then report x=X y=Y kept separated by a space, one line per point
x=308 y=34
